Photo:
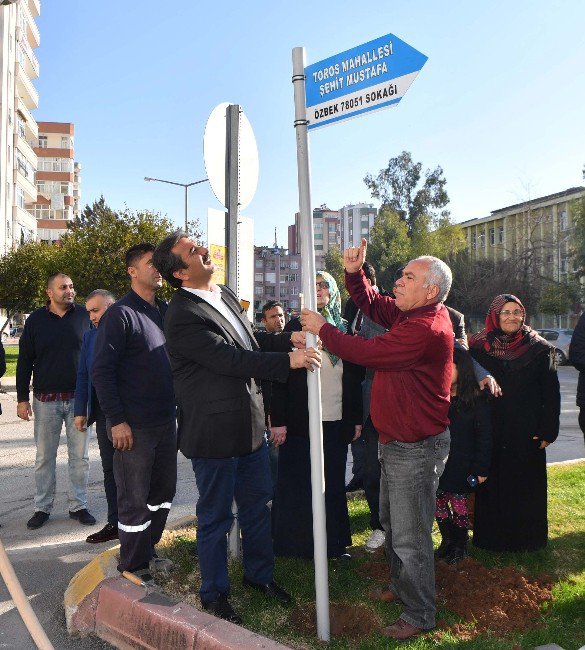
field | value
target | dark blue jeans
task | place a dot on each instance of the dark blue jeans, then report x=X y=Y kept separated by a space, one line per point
x=219 y=481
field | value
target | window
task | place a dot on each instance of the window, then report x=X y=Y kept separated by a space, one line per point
x=259 y=264
x=294 y=291
x=318 y=248
x=501 y=237
x=284 y=266
x=65 y=142
x=481 y=240
x=20 y=197
x=294 y=304
x=294 y=265
x=269 y=291
x=43 y=141
x=283 y=279
x=563 y=222
x=318 y=235
x=293 y=277
x=259 y=277
x=365 y=231
x=473 y=241
x=563 y=268
x=259 y=291
x=549 y=259
x=270 y=277
x=283 y=292
x=332 y=227
x=492 y=236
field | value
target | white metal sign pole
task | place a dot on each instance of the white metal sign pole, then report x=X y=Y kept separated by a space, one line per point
x=313 y=378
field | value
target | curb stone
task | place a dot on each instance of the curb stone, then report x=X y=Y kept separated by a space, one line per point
x=99 y=601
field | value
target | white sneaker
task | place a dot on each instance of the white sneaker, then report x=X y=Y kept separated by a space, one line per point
x=375 y=541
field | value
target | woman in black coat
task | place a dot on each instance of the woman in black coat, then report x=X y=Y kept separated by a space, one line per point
x=341 y=399
x=511 y=507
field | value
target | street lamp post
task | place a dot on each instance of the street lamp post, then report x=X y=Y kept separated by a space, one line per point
x=186 y=186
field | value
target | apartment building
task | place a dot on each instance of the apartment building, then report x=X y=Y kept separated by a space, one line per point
x=542 y=226
x=327 y=233
x=19 y=67
x=58 y=180
x=277 y=276
x=356 y=221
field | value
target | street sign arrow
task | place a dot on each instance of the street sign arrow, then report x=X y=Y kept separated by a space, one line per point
x=366 y=78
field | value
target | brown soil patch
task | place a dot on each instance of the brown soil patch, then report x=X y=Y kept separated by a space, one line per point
x=353 y=622
x=498 y=600
x=376 y=569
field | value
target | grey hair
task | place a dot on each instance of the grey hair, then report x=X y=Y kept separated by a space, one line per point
x=104 y=293
x=438 y=274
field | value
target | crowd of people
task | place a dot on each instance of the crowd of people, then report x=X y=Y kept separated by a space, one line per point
x=430 y=419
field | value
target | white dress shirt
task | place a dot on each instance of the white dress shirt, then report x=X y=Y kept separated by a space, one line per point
x=213 y=298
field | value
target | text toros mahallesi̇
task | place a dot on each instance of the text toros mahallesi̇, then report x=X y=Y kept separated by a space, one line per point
x=370 y=65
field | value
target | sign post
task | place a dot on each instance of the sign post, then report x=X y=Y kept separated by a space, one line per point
x=313 y=378
x=366 y=78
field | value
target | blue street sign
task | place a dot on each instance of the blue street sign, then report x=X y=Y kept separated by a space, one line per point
x=368 y=77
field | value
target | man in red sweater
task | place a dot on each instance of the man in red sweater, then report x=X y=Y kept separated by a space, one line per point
x=409 y=408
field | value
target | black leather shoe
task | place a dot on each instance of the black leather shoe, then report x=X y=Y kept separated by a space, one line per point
x=271 y=589
x=354 y=485
x=37 y=520
x=106 y=534
x=222 y=609
x=83 y=517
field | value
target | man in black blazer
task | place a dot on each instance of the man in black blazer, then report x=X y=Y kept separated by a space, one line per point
x=218 y=363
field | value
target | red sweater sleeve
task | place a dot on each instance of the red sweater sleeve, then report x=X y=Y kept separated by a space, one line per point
x=380 y=309
x=399 y=349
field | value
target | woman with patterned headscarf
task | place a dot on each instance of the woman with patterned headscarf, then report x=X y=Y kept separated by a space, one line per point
x=510 y=507
x=341 y=403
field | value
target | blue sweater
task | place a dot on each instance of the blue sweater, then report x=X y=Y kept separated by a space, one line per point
x=131 y=371
x=83 y=387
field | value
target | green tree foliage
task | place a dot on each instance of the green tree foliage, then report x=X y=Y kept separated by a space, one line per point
x=23 y=276
x=401 y=188
x=391 y=247
x=558 y=298
x=92 y=251
x=334 y=266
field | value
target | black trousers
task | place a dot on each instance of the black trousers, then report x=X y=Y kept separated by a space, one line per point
x=582 y=420
x=146 y=478
x=107 y=455
x=371 y=473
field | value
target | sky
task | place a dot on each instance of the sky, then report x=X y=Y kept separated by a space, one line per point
x=499 y=105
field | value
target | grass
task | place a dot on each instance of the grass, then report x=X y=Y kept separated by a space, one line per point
x=11 y=359
x=562 y=622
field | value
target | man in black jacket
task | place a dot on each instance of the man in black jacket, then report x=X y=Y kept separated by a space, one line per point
x=577 y=358
x=133 y=381
x=217 y=367
x=49 y=351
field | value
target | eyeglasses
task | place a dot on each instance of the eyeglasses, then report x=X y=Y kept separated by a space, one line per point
x=322 y=285
x=506 y=313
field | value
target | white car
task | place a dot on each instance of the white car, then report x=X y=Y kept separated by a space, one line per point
x=561 y=339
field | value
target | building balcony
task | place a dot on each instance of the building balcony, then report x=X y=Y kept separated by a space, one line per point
x=32 y=31
x=34 y=7
x=25 y=148
x=54 y=176
x=31 y=123
x=27 y=58
x=53 y=152
x=25 y=89
x=30 y=189
x=24 y=218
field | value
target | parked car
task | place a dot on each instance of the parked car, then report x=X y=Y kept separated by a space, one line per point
x=561 y=339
